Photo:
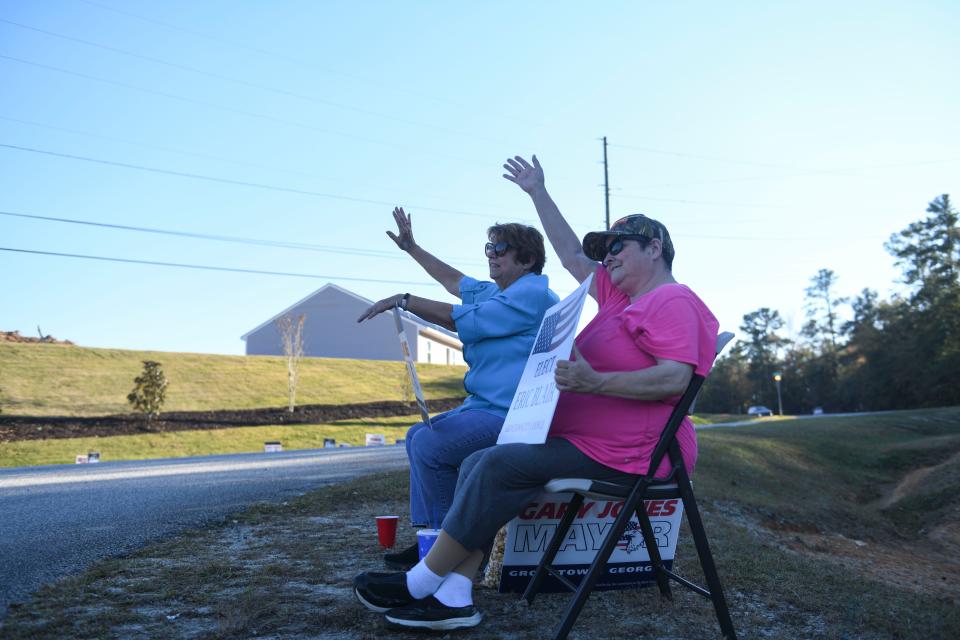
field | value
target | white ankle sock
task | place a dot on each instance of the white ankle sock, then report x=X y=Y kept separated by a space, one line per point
x=456 y=590
x=421 y=582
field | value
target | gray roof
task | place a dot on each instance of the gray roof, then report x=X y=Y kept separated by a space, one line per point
x=419 y=322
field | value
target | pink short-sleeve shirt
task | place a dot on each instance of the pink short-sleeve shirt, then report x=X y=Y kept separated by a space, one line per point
x=669 y=323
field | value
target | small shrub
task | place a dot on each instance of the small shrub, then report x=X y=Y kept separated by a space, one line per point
x=149 y=391
x=291 y=339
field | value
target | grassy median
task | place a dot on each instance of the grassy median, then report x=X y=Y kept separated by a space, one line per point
x=174 y=444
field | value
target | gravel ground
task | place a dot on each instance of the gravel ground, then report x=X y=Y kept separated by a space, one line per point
x=286 y=571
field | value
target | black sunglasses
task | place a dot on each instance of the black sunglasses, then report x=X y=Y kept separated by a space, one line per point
x=617 y=245
x=495 y=250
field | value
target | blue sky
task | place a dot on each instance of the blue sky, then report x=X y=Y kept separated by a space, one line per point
x=773 y=139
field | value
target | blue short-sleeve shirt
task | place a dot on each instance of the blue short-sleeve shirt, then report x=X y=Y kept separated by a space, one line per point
x=497 y=328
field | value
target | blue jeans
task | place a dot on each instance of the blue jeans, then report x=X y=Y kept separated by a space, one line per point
x=435 y=455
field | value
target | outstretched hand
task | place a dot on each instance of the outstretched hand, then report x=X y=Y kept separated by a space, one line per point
x=404 y=237
x=577 y=375
x=526 y=176
x=380 y=306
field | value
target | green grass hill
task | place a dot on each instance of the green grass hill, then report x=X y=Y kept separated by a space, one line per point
x=55 y=379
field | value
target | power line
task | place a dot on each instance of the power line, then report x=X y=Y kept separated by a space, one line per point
x=679 y=154
x=310 y=247
x=211 y=268
x=205 y=236
x=255 y=185
x=203 y=103
x=699 y=202
x=806 y=171
x=194 y=154
x=295 y=60
x=212 y=105
x=221 y=238
x=246 y=83
x=185 y=152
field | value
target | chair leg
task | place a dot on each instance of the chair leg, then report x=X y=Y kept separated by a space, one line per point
x=706 y=559
x=533 y=587
x=599 y=564
x=663 y=583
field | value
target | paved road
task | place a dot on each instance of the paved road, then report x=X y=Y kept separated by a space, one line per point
x=776 y=420
x=57 y=520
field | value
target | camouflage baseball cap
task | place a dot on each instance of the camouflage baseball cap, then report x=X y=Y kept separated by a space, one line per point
x=595 y=242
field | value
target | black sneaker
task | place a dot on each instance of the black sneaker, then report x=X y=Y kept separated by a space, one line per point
x=430 y=613
x=381 y=592
x=402 y=560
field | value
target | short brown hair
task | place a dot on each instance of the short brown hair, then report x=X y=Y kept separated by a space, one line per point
x=527 y=241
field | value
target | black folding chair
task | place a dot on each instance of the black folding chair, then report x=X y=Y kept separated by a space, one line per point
x=645 y=487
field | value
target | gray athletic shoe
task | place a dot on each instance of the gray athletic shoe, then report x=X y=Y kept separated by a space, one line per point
x=402 y=560
x=381 y=592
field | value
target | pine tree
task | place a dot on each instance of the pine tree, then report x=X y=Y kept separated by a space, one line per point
x=150 y=390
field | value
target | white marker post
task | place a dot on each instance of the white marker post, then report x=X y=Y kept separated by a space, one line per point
x=411 y=369
x=531 y=411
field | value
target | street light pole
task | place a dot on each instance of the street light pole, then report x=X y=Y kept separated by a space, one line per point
x=776 y=379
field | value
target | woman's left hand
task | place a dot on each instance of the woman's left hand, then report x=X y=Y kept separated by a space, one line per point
x=379 y=307
x=577 y=375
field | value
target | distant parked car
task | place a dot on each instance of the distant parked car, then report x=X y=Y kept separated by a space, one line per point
x=759 y=410
x=818 y=411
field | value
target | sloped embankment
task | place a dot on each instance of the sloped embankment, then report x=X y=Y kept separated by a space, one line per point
x=14 y=428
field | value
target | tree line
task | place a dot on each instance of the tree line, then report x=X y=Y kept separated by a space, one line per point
x=892 y=354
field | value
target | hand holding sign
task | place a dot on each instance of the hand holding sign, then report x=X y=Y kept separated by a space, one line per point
x=536 y=397
x=577 y=375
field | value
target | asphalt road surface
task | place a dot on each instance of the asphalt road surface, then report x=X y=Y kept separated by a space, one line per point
x=759 y=421
x=55 y=521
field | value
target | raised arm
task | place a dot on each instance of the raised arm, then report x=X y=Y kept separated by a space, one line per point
x=438 y=269
x=565 y=242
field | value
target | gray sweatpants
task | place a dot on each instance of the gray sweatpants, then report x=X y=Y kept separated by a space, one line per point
x=496 y=483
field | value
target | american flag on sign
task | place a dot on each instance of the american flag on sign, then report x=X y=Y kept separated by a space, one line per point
x=556 y=328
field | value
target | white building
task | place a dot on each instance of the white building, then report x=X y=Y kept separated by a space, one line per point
x=331 y=330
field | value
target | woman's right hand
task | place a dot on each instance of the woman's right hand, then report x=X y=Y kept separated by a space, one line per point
x=404 y=236
x=380 y=306
x=526 y=176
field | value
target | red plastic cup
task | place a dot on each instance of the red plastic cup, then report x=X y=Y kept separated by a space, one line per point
x=387 y=530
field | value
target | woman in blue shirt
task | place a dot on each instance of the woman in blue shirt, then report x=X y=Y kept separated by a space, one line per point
x=497 y=323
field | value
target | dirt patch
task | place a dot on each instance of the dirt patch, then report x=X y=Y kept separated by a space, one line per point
x=912 y=480
x=927 y=565
x=40 y=428
x=14 y=336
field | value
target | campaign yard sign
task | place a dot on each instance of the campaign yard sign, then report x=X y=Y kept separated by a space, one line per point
x=411 y=368
x=629 y=566
x=530 y=413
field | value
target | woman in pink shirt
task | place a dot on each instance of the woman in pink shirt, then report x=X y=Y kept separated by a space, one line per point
x=630 y=366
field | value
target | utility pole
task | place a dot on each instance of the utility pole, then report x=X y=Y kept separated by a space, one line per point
x=606 y=183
